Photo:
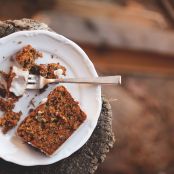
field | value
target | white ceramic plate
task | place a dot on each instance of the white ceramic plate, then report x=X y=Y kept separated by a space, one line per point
x=55 y=48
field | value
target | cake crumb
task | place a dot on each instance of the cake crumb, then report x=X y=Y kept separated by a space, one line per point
x=6 y=105
x=3 y=92
x=30 y=110
x=9 y=120
x=26 y=58
x=31 y=103
x=47 y=70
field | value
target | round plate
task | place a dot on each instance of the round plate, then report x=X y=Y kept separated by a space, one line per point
x=55 y=48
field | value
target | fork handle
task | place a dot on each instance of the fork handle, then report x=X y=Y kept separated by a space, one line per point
x=94 y=80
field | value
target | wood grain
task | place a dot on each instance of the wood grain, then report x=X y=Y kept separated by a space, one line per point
x=111 y=61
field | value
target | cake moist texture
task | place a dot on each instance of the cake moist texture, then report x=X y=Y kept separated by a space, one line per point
x=48 y=70
x=27 y=56
x=6 y=104
x=9 y=120
x=53 y=122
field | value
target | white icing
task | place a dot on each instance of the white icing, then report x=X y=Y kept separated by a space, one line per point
x=19 y=82
x=58 y=72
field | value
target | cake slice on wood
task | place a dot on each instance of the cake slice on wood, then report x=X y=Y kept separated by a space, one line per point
x=53 y=122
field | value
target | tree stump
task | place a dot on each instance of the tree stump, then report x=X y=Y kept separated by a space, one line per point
x=86 y=159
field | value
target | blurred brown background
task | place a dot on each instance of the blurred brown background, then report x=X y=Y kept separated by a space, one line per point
x=134 y=38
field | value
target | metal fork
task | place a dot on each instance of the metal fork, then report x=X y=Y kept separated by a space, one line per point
x=38 y=82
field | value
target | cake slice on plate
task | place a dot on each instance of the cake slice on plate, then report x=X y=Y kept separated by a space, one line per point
x=53 y=122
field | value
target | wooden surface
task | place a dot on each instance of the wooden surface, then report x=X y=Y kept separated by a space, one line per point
x=143 y=124
x=134 y=26
x=110 y=61
x=85 y=160
x=129 y=24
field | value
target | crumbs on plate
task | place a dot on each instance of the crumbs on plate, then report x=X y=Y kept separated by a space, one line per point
x=54 y=120
x=13 y=83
